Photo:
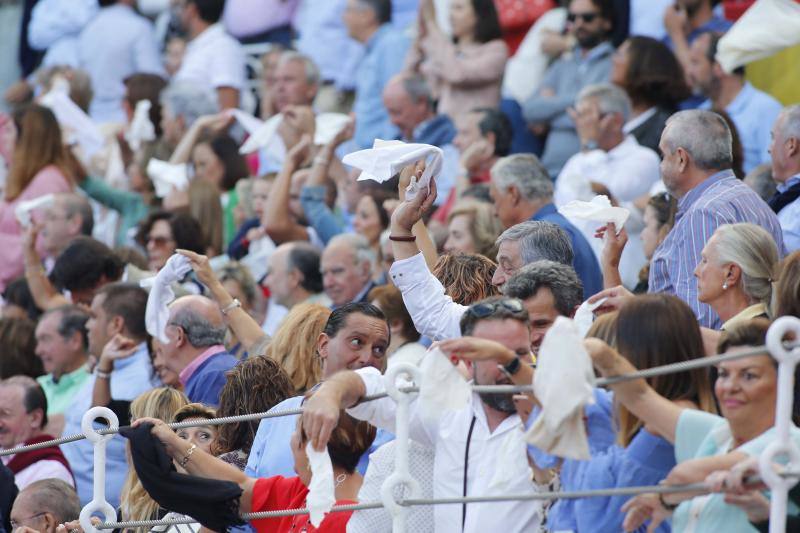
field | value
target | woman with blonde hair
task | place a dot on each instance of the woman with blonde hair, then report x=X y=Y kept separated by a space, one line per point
x=162 y=403
x=472 y=228
x=295 y=339
x=40 y=164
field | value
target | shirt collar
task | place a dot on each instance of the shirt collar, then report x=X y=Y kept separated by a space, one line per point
x=546 y=209
x=634 y=123
x=783 y=187
x=627 y=143
x=692 y=196
x=375 y=37
x=739 y=103
x=599 y=51
x=141 y=350
x=186 y=374
x=363 y=292
x=70 y=378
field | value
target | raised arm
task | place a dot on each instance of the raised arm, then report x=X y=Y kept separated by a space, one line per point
x=44 y=294
x=419 y=230
x=216 y=123
x=321 y=411
x=119 y=347
x=278 y=221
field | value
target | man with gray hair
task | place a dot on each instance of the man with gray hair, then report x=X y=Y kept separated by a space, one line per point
x=182 y=103
x=346 y=268
x=521 y=191
x=785 y=150
x=196 y=333
x=610 y=163
x=67 y=217
x=44 y=505
x=296 y=81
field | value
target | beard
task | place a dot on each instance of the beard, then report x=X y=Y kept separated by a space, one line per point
x=499 y=402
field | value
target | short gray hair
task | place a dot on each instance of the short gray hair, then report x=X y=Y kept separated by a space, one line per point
x=526 y=173
x=753 y=249
x=75 y=204
x=540 y=240
x=54 y=496
x=311 y=69
x=200 y=332
x=610 y=98
x=704 y=135
x=359 y=244
x=417 y=88
x=189 y=101
x=791 y=122
x=561 y=279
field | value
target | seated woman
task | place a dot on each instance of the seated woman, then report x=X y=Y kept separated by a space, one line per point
x=161 y=233
x=349 y=440
x=473 y=228
x=201 y=435
x=746 y=390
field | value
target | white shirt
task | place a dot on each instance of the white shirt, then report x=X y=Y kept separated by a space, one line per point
x=213 y=59
x=39 y=470
x=789 y=217
x=55 y=26
x=628 y=171
x=435 y=314
x=448 y=438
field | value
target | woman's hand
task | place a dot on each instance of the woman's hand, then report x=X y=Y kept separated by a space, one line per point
x=119 y=347
x=202 y=269
x=642 y=508
x=613 y=244
x=475 y=349
x=176 y=446
x=603 y=355
x=615 y=299
x=216 y=122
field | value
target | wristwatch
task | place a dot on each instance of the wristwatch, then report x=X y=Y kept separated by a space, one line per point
x=231 y=306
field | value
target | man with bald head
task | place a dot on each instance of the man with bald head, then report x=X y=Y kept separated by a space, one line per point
x=409 y=102
x=195 y=351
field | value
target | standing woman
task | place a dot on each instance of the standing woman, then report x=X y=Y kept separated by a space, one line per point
x=40 y=164
x=465 y=71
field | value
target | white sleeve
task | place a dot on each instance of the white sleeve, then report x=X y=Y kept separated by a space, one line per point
x=228 y=69
x=435 y=314
x=45 y=469
x=52 y=20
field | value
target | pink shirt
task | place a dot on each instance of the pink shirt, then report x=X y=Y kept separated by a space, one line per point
x=192 y=367
x=48 y=180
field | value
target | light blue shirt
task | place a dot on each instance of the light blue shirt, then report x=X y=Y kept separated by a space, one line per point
x=131 y=377
x=55 y=26
x=386 y=52
x=114 y=45
x=789 y=217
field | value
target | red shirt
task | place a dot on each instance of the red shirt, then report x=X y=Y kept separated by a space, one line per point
x=276 y=493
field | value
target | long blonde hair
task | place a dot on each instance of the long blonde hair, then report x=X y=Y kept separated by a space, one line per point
x=161 y=403
x=294 y=345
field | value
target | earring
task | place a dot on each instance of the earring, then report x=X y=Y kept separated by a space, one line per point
x=725 y=285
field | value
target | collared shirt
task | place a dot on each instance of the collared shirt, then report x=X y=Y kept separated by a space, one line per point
x=385 y=53
x=715 y=24
x=753 y=112
x=44 y=469
x=131 y=376
x=186 y=374
x=447 y=435
x=628 y=171
x=61 y=393
x=789 y=217
x=746 y=314
x=55 y=26
x=213 y=60
x=720 y=199
x=114 y=45
x=205 y=378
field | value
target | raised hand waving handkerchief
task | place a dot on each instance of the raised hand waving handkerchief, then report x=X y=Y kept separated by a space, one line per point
x=156 y=313
x=386 y=158
x=320 y=498
x=250 y=123
x=563 y=384
x=141 y=128
x=262 y=134
x=166 y=176
x=24 y=209
x=77 y=126
x=598 y=210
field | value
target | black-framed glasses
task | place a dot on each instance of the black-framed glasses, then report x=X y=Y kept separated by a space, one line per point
x=487 y=309
x=588 y=18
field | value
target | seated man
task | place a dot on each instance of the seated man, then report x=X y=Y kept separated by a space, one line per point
x=44 y=505
x=346 y=268
x=69 y=216
x=23 y=415
x=293 y=276
x=195 y=351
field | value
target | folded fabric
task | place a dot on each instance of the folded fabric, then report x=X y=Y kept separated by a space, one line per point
x=766 y=28
x=213 y=503
x=166 y=176
x=24 y=209
x=263 y=136
x=442 y=387
x=598 y=210
x=249 y=122
x=75 y=123
x=584 y=316
x=326 y=127
x=141 y=128
x=320 y=496
x=563 y=385
x=387 y=158
x=156 y=313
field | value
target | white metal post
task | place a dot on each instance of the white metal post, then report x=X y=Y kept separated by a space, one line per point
x=98 y=503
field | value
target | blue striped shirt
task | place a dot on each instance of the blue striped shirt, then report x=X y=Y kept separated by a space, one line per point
x=721 y=199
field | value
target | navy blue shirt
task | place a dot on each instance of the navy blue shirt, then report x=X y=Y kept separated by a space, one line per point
x=585 y=262
x=206 y=382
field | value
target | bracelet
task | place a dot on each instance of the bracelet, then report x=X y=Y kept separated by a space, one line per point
x=102 y=375
x=231 y=306
x=668 y=506
x=183 y=462
x=402 y=238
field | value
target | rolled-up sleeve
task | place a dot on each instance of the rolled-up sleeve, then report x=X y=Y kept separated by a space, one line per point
x=319 y=215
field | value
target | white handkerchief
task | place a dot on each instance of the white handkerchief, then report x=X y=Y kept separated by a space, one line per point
x=250 y=123
x=24 y=209
x=598 y=210
x=766 y=28
x=165 y=176
x=584 y=316
x=386 y=158
x=563 y=384
x=328 y=126
x=320 y=496
x=507 y=464
x=76 y=125
x=442 y=387
x=156 y=313
x=141 y=128
x=261 y=137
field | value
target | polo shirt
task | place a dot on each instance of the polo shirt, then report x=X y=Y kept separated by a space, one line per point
x=60 y=394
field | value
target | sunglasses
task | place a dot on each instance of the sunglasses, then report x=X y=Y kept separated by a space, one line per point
x=159 y=241
x=588 y=18
x=485 y=310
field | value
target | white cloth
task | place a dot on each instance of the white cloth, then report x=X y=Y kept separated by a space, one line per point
x=411 y=353
x=156 y=313
x=24 y=209
x=258 y=255
x=442 y=387
x=141 y=128
x=598 y=210
x=265 y=134
x=39 y=470
x=435 y=314
x=250 y=123
x=55 y=26
x=213 y=60
x=647 y=18
x=448 y=438
x=320 y=496
x=766 y=28
x=564 y=385
x=75 y=124
x=387 y=158
x=166 y=176
x=584 y=316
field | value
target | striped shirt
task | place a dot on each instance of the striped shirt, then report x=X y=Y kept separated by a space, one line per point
x=720 y=199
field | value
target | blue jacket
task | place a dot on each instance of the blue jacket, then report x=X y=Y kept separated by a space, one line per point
x=438 y=131
x=205 y=384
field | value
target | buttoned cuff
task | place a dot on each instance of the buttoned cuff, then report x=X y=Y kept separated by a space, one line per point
x=410 y=271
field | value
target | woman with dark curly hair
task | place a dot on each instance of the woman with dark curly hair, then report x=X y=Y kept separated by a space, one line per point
x=655 y=82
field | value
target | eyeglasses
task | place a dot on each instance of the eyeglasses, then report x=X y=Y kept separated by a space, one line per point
x=588 y=18
x=158 y=241
x=487 y=309
x=15 y=524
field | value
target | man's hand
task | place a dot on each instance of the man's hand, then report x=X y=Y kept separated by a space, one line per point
x=320 y=417
x=589 y=122
x=344 y=135
x=409 y=212
x=475 y=349
x=616 y=298
x=476 y=155
x=613 y=244
x=119 y=347
x=676 y=20
x=297 y=121
x=300 y=152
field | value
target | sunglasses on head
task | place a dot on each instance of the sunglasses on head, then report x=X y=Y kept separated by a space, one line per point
x=588 y=18
x=487 y=309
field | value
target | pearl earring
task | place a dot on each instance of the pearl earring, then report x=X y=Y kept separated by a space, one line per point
x=725 y=285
